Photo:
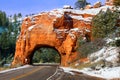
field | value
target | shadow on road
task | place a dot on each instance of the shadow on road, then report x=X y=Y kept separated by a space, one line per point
x=45 y=64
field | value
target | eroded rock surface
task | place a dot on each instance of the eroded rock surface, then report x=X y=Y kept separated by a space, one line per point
x=58 y=29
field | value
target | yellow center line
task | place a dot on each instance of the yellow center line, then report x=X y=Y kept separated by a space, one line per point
x=24 y=75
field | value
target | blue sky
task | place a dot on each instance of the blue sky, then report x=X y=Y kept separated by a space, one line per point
x=35 y=6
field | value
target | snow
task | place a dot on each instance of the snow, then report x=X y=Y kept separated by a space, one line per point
x=92 y=11
x=72 y=35
x=66 y=6
x=31 y=27
x=107 y=73
x=12 y=33
x=80 y=18
x=75 y=29
x=58 y=31
x=109 y=40
x=87 y=30
x=106 y=53
x=111 y=58
x=60 y=12
x=37 y=15
x=109 y=54
x=112 y=40
x=15 y=68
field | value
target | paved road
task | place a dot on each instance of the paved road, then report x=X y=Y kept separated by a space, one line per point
x=43 y=72
x=37 y=72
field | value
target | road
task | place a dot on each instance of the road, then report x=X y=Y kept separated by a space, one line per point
x=44 y=72
x=36 y=72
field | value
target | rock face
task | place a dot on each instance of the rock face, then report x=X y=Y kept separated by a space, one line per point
x=58 y=29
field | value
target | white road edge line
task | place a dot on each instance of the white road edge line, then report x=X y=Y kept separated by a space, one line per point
x=53 y=74
x=12 y=69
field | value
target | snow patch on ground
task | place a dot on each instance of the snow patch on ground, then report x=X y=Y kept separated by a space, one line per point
x=107 y=73
x=81 y=18
x=15 y=68
x=112 y=40
x=106 y=53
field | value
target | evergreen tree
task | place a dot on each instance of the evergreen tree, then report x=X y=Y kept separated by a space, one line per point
x=15 y=18
x=80 y=4
x=8 y=37
x=19 y=15
x=4 y=21
x=104 y=23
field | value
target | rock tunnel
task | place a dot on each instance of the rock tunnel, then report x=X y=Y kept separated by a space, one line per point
x=45 y=54
x=59 y=33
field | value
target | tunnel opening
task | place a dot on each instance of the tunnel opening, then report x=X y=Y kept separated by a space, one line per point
x=45 y=54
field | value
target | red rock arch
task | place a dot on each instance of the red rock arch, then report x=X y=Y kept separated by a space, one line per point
x=59 y=33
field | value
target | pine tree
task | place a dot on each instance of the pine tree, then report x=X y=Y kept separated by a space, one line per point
x=104 y=23
x=4 y=21
x=8 y=37
x=19 y=15
x=15 y=18
x=80 y=4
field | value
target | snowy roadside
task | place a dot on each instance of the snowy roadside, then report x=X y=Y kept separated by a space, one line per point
x=14 y=68
x=106 y=73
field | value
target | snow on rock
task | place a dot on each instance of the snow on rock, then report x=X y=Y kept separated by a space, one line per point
x=110 y=72
x=112 y=40
x=81 y=18
x=60 y=12
x=87 y=30
x=72 y=36
x=107 y=73
x=109 y=54
x=31 y=27
x=67 y=7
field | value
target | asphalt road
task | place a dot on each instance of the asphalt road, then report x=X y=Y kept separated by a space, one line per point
x=36 y=72
x=44 y=72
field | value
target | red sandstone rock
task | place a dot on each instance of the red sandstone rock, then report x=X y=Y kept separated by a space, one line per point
x=58 y=29
x=97 y=5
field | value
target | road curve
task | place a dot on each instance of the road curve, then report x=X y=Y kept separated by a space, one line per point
x=44 y=72
x=36 y=72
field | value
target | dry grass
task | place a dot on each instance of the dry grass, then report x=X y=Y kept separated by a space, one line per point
x=4 y=68
x=116 y=79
